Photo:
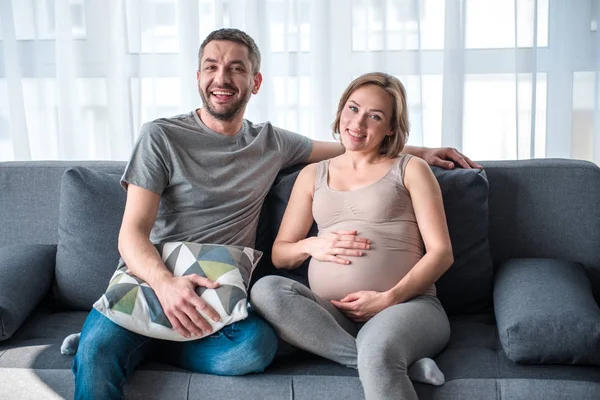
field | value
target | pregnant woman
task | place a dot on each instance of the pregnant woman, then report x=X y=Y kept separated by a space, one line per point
x=382 y=243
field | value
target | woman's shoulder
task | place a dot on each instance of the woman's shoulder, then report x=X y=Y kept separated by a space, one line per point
x=413 y=161
x=313 y=175
x=308 y=173
x=416 y=170
x=310 y=168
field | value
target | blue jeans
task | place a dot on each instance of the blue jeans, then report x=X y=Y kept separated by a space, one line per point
x=108 y=354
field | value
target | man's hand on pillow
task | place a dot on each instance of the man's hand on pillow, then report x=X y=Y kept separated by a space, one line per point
x=180 y=302
x=445 y=157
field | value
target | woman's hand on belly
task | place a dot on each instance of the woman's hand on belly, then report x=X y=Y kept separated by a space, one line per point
x=364 y=305
x=331 y=246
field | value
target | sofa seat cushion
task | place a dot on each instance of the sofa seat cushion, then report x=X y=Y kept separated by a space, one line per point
x=26 y=273
x=19 y=383
x=37 y=343
x=546 y=312
x=473 y=363
x=90 y=214
x=475 y=352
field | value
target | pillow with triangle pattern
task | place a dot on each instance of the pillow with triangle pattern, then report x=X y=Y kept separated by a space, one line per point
x=131 y=303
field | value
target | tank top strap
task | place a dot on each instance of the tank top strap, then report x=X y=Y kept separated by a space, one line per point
x=405 y=159
x=401 y=166
x=321 y=176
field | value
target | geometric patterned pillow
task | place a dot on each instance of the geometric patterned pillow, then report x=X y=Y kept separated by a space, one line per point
x=131 y=303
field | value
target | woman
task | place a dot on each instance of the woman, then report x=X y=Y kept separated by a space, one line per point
x=372 y=303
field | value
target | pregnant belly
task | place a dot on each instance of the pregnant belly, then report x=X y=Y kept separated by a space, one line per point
x=377 y=269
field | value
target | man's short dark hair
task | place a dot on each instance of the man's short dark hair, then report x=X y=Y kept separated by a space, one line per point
x=237 y=36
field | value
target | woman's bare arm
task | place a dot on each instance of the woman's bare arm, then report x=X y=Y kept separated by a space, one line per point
x=429 y=210
x=292 y=247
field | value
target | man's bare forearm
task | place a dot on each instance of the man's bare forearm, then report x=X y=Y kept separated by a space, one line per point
x=414 y=150
x=142 y=258
x=324 y=150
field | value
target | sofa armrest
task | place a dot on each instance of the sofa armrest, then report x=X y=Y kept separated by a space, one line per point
x=26 y=273
x=546 y=312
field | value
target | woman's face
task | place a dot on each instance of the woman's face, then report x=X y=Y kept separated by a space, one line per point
x=366 y=119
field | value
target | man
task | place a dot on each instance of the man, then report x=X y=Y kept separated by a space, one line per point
x=200 y=177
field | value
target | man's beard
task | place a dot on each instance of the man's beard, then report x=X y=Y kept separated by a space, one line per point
x=229 y=113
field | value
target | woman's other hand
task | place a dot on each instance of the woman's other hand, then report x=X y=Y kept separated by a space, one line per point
x=331 y=246
x=364 y=305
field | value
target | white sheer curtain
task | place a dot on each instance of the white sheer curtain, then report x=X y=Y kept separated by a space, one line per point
x=498 y=79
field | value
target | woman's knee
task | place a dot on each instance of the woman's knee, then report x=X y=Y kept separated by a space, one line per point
x=377 y=353
x=264 y=293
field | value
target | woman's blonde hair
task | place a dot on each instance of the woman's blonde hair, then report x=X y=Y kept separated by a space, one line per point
x=391 y=145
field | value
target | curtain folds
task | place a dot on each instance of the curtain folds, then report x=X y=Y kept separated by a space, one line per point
x=511 y=79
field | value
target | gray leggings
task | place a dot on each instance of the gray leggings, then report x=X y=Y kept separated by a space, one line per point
x=382 y=349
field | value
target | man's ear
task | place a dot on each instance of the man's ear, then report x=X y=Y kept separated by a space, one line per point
x=257 y=82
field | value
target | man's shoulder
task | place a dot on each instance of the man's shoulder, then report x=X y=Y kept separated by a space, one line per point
x=267 y=126
x=165 y=127
x=186 y=119
x=257 y=127
x=270 y=136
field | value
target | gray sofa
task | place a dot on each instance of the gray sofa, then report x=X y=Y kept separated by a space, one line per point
x=524 y=287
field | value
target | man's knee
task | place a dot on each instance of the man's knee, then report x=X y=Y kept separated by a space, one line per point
x=262 y=341
x=105 y=347
x=255 y=347
x=93 y=351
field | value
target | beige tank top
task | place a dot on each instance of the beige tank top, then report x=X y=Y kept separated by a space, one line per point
x=382 y=212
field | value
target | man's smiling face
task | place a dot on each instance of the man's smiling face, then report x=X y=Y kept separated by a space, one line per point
x=226 y=79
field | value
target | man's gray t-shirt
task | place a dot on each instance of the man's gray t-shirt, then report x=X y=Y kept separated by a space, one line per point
x=212 y=186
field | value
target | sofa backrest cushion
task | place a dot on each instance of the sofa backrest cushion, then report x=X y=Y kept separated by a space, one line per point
x=90 y=213
x=467 y=286
x=29 y=198
x=268 y=226
x=546 y=208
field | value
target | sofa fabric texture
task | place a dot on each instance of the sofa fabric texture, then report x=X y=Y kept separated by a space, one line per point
x=545 y=209
x=26 y=273
x=276 y=203
x=542 y=211
x=91 y=209
x=467 y=286
x=546 y=312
